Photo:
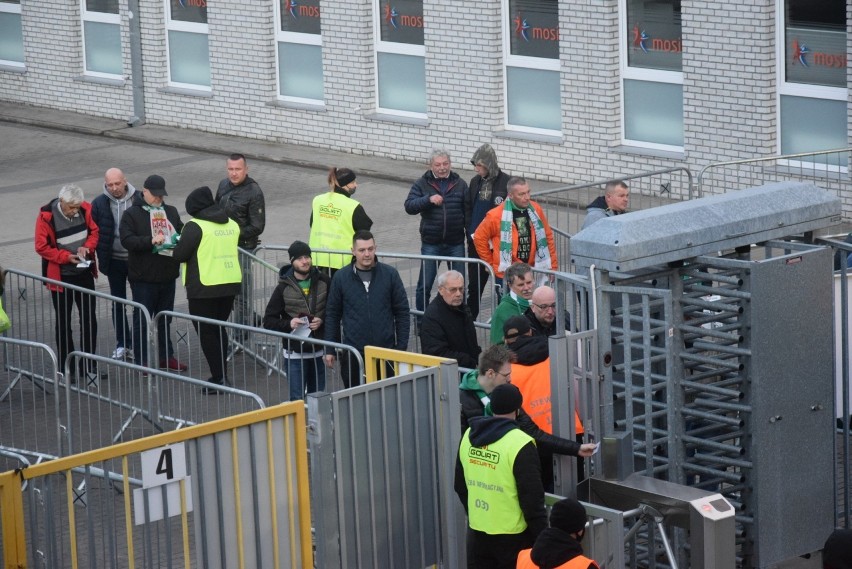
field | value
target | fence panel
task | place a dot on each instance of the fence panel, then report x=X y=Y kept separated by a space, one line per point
x=29 y=410
x=231 y=493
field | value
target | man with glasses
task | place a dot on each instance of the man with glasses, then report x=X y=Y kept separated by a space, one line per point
x=542 y=312
x=447 y=330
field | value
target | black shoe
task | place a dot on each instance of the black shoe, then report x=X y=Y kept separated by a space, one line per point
x=213 y=388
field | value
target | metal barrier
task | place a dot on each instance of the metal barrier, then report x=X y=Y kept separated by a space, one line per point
x=30 y=307
x=230 y=493
x=29 y=410
x=255 y=363
x=827 y=169
x=382 y=464
x=408 y=265
x=565 y=207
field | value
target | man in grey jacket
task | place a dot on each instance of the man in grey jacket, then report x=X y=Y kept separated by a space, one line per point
x=107 y=210
x=615 y=200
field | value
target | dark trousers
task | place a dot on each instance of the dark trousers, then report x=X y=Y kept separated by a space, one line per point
x=477 y=278
x=117 y=277
x=486 y=551
x=156 y=297
x=213 y=339
x=351 y=374
x=63 y=304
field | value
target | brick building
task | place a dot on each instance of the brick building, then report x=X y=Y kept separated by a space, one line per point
x=565 y=91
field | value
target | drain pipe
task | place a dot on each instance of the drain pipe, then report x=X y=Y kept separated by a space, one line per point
x=136 y=75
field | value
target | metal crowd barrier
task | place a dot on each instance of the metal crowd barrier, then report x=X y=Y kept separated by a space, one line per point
x=565 y=207
x=254 y=363
x=827 y=169
x=29 y=408
x=230 y=493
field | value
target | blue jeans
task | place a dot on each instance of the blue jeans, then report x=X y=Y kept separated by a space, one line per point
x=429 y=269
x=156 y=297
x=117 y=276
x=305 y=374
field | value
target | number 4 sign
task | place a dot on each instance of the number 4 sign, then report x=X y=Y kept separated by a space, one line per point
x=162 y=471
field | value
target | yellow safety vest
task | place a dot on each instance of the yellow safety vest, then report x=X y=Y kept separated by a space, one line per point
x=218 y=262
x=492 y=492
x=332 y=228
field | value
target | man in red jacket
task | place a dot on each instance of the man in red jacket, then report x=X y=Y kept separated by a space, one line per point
x=66 y=238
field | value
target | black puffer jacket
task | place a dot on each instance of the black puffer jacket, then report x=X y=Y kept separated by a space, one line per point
x=245 y=205
x=448 y=331
x=439 y=224
x=200 y=205
x=143 y=265
x=288 y=302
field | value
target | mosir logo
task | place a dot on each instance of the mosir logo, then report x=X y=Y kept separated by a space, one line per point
x=397 y=20
x=802 y=55
x=297 y=10
x=192 y=3
x=527 y=32
x=641 y=40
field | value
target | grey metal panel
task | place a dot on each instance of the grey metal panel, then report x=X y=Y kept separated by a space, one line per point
x=684 y=230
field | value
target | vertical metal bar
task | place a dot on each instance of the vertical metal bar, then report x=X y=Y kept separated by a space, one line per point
x=273 y=498
x=128 y=522
x=238 y=502
x=321 y=439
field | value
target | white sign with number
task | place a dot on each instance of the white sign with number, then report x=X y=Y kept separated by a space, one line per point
x=163 y=469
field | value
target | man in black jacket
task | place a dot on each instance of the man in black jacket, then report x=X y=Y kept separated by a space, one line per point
x=297 y=306
x=447 y=328
x=438 y=197
x=149 y=231
x=242 y=199
x=487 y=190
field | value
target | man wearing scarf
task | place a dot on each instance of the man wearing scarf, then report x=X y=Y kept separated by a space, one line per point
x=149 y=231
x=516 y=231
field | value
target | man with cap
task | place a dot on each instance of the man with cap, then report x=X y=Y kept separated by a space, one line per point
x=297 y=307
x=531 y=374
x=558 y=547
x=149 y=230
x=211 y=275
x=498 y=481
x=335 y=218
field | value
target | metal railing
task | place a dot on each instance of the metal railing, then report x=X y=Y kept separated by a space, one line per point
x=827 y=169
x=565 y=207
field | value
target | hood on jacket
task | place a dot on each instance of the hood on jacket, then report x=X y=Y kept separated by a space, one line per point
x=598 y=203
x=200 y=204
x=470 y=382
x=486 y=430
x=486 y=155
x=530 y=350
x=127 y=199
x=553 y=548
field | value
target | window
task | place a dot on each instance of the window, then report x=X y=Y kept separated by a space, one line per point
x=400 y=57
x=101 y=38
x=186 y=38
x=531 y=78
x=652 y=74
x=812 y=82
x=11 y=36
x=299 y=51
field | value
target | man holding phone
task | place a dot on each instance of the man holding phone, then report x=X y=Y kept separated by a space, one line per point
x=297 y=307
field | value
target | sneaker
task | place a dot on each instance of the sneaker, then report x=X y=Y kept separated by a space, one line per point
x=172 y=364
x=122 y=353
x=212 y=389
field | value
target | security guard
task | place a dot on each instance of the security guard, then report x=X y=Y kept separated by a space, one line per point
x=335 y=218
x=498 y=479
x=558 y=547
x=211 y=274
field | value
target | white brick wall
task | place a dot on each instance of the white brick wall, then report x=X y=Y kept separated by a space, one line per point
x=728 y=65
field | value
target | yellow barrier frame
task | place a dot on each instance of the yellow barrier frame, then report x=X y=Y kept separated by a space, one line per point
x=11 y=497
x=373 y=356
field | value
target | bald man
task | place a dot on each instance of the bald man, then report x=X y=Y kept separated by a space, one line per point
x=542 y=312
x=107 y=210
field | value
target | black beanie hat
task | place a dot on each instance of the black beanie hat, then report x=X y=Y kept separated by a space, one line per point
x=837 y=552
x=299 y=249
x=344 y=176
x=505 y=399
x=568 y=515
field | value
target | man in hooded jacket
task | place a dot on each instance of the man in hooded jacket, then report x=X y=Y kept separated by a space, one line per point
x=486 y=190
x=558 y=547
x=211 y=275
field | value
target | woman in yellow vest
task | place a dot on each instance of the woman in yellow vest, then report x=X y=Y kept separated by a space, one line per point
x=558 y=547
x=335 y=218
x=211 y=275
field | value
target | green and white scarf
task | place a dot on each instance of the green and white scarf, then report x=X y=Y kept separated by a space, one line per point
x=542 y=251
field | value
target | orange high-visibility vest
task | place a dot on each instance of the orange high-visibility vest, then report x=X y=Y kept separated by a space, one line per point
x=534 y=383
x=579 y=562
